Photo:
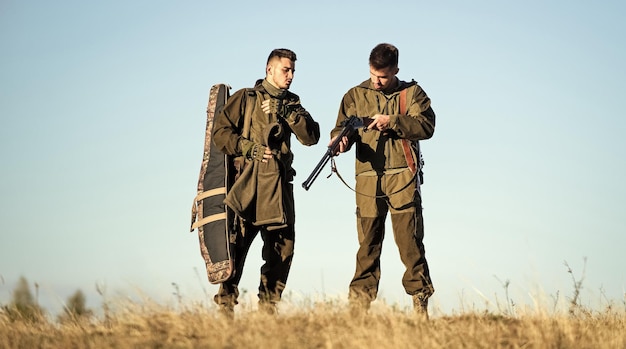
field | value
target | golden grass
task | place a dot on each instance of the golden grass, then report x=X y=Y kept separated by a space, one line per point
x=319 y=325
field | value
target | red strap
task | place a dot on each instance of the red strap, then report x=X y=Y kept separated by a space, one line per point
x=409 y=156
x=403 y=102
x=406 y=145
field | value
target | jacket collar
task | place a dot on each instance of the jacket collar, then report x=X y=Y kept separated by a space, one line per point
x=399 y=86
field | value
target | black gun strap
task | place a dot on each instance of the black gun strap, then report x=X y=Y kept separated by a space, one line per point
x=333 y=168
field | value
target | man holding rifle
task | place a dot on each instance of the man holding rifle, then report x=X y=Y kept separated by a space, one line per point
x=397 y=115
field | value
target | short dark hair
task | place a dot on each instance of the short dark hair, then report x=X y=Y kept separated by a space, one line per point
x=384 y=56
x=282 y=53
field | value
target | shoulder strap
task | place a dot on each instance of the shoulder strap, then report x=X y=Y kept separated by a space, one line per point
x=403 y=105
x=247 y=117
x=406 y=144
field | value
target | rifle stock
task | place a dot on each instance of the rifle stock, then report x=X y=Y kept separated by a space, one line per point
x=349 y=127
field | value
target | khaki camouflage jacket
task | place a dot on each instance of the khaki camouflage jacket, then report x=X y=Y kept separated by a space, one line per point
x=378 y=152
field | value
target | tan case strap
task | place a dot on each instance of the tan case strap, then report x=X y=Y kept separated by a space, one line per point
x=212 y=192
x=209 y=219
x=199 y=198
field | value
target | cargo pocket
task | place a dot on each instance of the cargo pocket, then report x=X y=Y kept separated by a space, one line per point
x=366 y=188
x=401 y=189
x=269 y=206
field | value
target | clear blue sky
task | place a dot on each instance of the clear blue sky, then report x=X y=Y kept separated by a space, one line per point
x=102 y=114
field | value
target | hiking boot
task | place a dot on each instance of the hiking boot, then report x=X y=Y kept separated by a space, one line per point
x=420 y=305
x=268 y=308
x=227 y=311
x=359 y=307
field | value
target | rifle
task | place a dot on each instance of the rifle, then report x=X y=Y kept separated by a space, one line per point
x=349 y=127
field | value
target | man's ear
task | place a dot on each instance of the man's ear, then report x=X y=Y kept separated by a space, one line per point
x=397 y=70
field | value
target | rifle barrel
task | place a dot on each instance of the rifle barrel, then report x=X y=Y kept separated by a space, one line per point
x=350 y=125
x=316 y=171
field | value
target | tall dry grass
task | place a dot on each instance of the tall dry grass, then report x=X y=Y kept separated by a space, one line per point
x=324 y=324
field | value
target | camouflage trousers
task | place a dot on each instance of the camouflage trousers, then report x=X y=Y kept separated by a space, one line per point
x=404 y=203
x=277 y=252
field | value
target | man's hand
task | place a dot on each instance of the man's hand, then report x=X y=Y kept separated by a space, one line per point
x=272 y=106
x=259 y=152
x=379 y=122
x=343 y=145
x=267 y=154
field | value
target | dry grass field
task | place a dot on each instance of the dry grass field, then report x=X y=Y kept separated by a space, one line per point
x=317 y=325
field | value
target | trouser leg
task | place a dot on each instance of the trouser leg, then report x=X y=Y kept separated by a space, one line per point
x=408 y=229
x=277 y=252
x=229 y=291
x=364 y=284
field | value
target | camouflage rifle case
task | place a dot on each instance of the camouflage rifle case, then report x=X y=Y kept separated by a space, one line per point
x=214 y=220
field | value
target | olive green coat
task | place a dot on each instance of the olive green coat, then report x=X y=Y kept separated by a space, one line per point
x=382 y=151
x=228 y=136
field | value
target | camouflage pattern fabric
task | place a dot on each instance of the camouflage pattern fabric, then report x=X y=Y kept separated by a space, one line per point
x=208 y=214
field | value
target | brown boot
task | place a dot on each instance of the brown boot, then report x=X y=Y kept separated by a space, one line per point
x=227 y=311
x=268 y=308
x=420 y=305
x=360 y=301
x=359 y=306
x=226 y=305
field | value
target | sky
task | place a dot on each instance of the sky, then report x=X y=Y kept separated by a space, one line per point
x=102 y=116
